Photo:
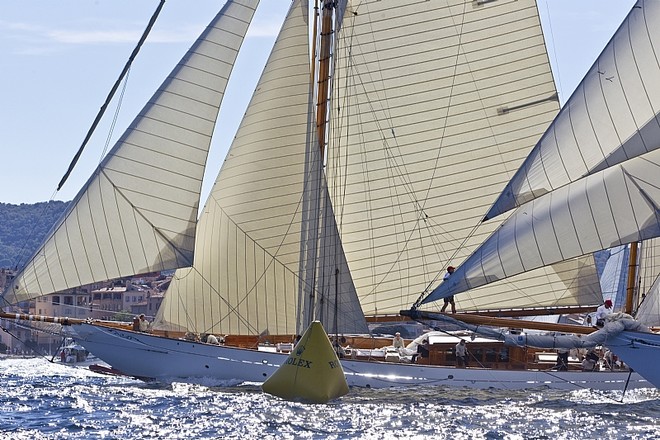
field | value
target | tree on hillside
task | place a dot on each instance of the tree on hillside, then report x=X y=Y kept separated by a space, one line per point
x=23 y=227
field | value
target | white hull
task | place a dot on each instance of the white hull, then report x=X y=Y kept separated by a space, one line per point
x=641 y=351
x=151 y=357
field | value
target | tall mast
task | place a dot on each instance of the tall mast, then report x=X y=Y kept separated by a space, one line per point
x=320 y=68
x=322 y=75
x=632 y=277
x=327 y=33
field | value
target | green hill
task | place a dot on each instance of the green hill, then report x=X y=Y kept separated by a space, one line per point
x=23 y=227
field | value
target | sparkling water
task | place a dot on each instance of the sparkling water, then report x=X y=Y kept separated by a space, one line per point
x=44 y=400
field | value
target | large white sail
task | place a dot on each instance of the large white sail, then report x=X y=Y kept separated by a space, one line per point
x=138 y=211
x=613 y=115
x=616 y=206
x=435 y=106
x=251 y=262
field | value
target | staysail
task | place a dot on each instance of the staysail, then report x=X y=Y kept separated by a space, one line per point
x=613 y=115
x=137 y=213
x=252 y=257
x=615 y=206
x=431 y=116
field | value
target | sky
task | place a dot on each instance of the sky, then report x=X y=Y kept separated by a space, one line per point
x=61 y=58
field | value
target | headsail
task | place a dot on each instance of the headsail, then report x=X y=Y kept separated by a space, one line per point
x=613 y=115
x=615 y=206
x=251 y=263
x=138 y=211
x=435 y=106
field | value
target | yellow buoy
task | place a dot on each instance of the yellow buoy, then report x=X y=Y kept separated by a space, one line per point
x=311 y=373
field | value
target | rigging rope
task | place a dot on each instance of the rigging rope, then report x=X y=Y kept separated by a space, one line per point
x=35 y=348
x=111 y=94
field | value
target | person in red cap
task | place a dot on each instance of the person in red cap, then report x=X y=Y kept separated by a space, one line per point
x=602 y=312
x=449 y=299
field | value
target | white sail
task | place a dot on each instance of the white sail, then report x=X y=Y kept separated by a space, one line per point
x=138 y=211
x=615 y=206
x=435 y=105
x=648 y=312
x=615 y=264
x=613 y=115
x=250 y=268
x=573 y=282
x=648 y=304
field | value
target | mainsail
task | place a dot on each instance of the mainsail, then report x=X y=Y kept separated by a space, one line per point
x=432 y=114
x=428 y=118
x=138 y=212
x=432 y=108
x=605 y=194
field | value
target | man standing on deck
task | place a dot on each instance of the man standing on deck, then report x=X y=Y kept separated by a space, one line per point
x=602 y=312
x=461 y=353
x=449 y=299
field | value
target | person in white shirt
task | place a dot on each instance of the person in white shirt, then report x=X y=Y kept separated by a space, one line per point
x=602 y=312
x=397 y=342
x=144 y=324
x=461 y=353
x=337 y=345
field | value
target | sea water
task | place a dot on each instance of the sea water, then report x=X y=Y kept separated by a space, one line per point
x=44 y=400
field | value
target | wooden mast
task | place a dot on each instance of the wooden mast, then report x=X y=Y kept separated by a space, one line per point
x=632 y=277
x=319 y=84
x=323 y=89
x=314 y=36
x=323 y=85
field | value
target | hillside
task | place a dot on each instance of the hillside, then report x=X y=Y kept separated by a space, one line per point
x=22 y=227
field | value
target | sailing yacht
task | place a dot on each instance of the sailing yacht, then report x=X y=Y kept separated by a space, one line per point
x=351 y=183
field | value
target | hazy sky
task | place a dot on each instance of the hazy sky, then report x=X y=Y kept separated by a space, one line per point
x=60 y=59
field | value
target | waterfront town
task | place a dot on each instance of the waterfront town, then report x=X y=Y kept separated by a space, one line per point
x=118 y=300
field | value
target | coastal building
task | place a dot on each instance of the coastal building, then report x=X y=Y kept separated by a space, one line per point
x=107 y=302
x=117 y=300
